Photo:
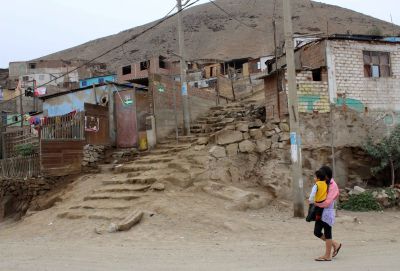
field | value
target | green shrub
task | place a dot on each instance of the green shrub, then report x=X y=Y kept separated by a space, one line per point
x=386 y=151
x=25 y=149
x=363 y=202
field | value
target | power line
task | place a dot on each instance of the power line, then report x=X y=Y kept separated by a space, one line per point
x=165 y=16
x=233 y=17
x=115 y=47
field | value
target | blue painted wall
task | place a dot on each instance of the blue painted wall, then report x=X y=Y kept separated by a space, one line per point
x=64 y=104
x=96 y=80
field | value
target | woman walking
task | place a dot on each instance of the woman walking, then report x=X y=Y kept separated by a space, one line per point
x=327 y=220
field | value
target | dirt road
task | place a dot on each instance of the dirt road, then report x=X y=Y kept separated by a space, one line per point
x=278 y=243
x=181 y=255
x=191 y=230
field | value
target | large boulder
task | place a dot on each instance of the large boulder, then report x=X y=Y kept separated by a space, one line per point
x=284 y=137
x=255 y=124
x=263 y=144
x=284 y=127
x=242 y=127
x=226 y=137
x=256 y=133
x=232 y=149
x=218 y=152
x=202 y=140
x=246 y=146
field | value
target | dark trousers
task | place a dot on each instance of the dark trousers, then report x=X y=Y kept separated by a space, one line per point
x=321 y=225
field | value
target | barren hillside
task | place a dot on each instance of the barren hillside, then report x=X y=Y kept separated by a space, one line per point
x=210 y=33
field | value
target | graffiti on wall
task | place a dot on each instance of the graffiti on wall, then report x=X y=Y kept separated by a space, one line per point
x=311 y=103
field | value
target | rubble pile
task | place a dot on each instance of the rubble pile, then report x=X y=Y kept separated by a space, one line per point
x=92 y=154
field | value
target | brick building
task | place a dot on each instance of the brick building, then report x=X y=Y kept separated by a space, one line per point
x=160 y=95
x=355 y=71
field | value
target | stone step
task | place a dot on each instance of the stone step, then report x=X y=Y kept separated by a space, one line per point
x=121 y=188
x=168 y=151
x=218 y=107
x=201 y=121
x=108 y=215
x=139 y=181
x=172 y=144
x=136 y=168
x=197 y=131
x=182 y=139
x=212 y=120
x=196 y=125
x=113 y=196
x=152 y=160
x=103 y=205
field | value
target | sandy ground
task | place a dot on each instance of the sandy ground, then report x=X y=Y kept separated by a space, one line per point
x=190 y=230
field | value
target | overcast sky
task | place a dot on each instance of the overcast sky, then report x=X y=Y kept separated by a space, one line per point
x=34 y=28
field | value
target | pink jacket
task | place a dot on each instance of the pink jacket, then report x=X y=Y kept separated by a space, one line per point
x=333 y=194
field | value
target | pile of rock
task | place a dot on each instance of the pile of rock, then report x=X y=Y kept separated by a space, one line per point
x=248 y=137
x=92 y=154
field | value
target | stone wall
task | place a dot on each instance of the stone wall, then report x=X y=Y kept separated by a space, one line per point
x=17 y=195
x=92 y=154
x=252 y=154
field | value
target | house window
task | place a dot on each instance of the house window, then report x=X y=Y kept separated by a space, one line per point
x=143 y=65
x=84 y=83
x=161 y=62
x=212 y=70
x=126 y=70
x=32 y=66
x=316 y=75
x=376 y=64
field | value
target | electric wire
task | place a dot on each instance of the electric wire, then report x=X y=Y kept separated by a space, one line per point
x=114 y=48
x=233 y=17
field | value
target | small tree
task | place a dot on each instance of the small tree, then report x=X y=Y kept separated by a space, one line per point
x=386 y=151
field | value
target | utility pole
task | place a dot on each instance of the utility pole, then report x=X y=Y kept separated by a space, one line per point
x=184 y=87
x=295 y=139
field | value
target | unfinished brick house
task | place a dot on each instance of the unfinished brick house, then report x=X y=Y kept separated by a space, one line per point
x=354 y=71
x=160 y=95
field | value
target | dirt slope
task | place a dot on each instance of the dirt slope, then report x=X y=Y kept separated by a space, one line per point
x=209 y=33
